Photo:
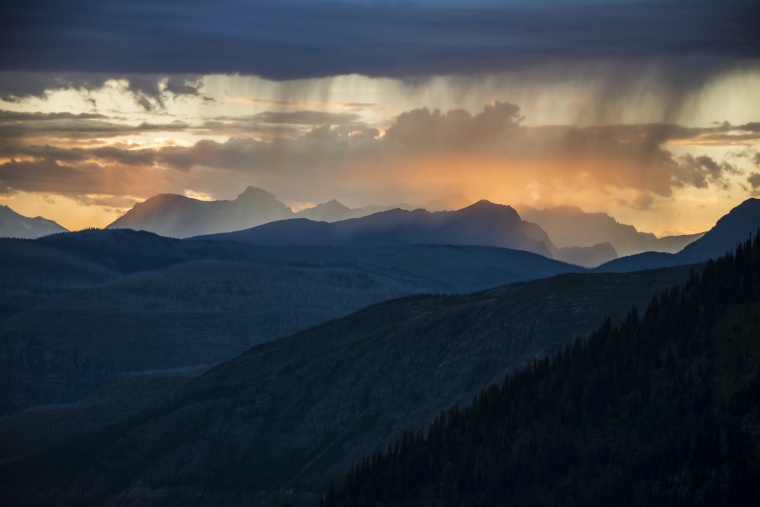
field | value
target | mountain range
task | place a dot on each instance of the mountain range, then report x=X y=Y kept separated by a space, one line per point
x=570 y=226
x=88 y=317
x=585 y=239
x=482 y=223
x=178 y=216
x=81 y=307
x=14 y=225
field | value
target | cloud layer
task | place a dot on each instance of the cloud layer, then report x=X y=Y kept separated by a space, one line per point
x=291 y=40
x=329 y=154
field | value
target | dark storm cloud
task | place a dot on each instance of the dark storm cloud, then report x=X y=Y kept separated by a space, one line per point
x=288 y=40
x=150 y=91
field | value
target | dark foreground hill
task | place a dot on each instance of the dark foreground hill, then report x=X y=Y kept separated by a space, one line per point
x=662 y=409
x=286 y=418
x=732 y=229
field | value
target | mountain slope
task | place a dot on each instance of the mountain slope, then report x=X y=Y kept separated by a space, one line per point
x=296 y=413
x=13 y=225
x=482 y=223
x=739 y=224
x=730 y=230
x=570 y=226
x=659 y=411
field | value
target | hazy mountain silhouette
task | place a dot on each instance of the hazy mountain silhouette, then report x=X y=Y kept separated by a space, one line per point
x=730 y=230
x=177 y=216
x=181 y=217
x=334 y=210
x=482 y=223
x=13 y=225
x=589 y=257
x=570 y=226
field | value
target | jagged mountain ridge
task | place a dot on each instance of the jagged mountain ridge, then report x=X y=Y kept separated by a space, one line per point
x=15 y=225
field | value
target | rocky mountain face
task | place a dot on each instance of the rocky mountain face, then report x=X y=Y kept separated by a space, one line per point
x=570 y=226
x=14 y=225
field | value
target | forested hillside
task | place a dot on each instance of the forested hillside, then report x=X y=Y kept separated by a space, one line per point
x=663 y=409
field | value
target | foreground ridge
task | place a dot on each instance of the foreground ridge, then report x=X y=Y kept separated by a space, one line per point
x=660 y=410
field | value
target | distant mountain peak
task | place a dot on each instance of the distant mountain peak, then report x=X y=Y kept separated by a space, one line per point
x=484 y=205
x=15 y=225
x=332 y=204
x=252 y=192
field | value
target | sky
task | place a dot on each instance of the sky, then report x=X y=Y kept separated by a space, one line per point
x=648 y=111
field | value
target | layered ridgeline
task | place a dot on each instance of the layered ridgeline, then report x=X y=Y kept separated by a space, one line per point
x=178 y=216
x=13 y=225
x=568 y=234
x=286 y=418
x=662 y=409
x=570 y=226
x=77 y=308
x=739 y=224
x=482 y=223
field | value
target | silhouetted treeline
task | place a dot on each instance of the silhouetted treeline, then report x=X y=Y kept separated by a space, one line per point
x=662 y=409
